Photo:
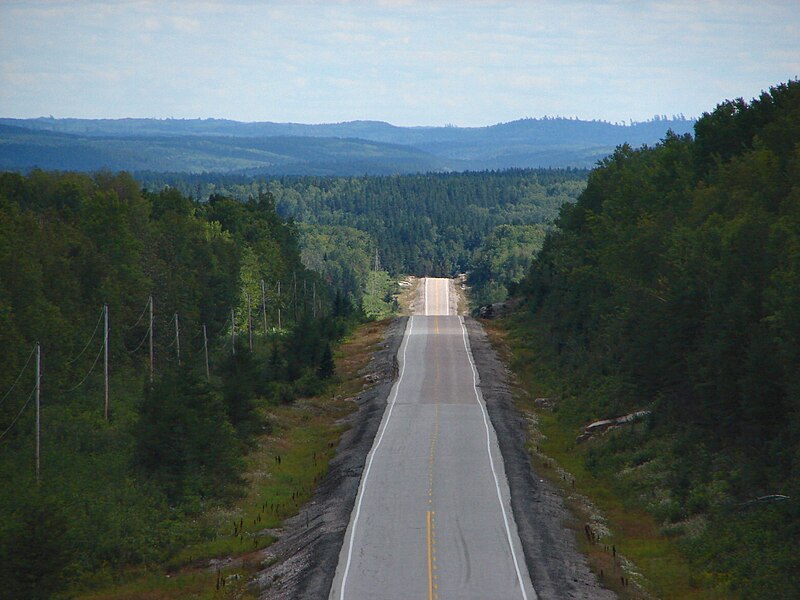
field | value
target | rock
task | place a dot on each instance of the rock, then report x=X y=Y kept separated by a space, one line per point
x=599 y=426
x=607 y=424
x=491 y=311
x=544 y=403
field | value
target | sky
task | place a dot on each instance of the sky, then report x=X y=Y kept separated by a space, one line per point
x=408 y=62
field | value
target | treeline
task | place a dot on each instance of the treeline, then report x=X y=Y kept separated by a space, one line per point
x=224 y=279
x=673 y=285
x=433 y=224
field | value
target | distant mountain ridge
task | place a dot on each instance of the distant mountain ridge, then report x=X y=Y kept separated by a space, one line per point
x=354 y=147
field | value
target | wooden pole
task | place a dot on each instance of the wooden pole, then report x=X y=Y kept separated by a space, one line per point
x=264 y=304
x=233 y=332
x=177 y=339
x=205 y=351
x=294 y=294
x=151 y=340
x=249 y=323
x=105 y=363
x=38 y=411
x=279 y=306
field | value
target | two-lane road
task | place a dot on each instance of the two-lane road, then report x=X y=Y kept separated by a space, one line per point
x=432 y=518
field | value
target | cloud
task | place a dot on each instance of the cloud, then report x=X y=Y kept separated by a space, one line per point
x=466 y=62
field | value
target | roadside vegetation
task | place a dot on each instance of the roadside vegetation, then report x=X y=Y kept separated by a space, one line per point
x=281 y=472
x=130 y=487
x=671 y=287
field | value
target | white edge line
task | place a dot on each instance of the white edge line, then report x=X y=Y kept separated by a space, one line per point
x=427 y=279
x=374 y=451
x=491 y=461
x=447 y=297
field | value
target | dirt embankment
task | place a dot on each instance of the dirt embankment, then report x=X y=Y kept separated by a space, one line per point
x=558 y=570
x=302 y=563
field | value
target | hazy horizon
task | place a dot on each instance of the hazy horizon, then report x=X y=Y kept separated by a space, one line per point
x=383 y=121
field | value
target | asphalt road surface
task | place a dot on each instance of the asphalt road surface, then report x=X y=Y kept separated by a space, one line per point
x=432 y=518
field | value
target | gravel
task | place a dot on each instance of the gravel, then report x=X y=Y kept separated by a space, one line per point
x=558 y=570
x=301 y=564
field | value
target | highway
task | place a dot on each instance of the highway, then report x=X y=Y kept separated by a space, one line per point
x=432 y=517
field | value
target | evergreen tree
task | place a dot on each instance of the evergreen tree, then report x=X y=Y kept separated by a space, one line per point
x=326 y=368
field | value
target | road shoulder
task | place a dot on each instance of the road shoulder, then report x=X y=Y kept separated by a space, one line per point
x=302 y=563
x=557 y=568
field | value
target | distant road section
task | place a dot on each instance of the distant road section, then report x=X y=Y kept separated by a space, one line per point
x=437 y=297
x=432 y=518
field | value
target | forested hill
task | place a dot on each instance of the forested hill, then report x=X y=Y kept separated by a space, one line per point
x=488 y=223
x=352 y=148
x=672 y=285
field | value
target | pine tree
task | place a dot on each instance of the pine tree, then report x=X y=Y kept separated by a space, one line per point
x=326 y=368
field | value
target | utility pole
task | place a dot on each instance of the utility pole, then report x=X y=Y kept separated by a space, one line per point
x=233 y=332
x=205 y=351
x=279 y=307
x=249 y=323
x=151 y=339
x=38 y=411
x=264 y=304
x=314 y=299
x=177 y=339
x=294 y=294
x=105 y=361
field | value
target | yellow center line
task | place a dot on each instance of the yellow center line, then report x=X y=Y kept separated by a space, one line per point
x=433 y=585
x=430 y=558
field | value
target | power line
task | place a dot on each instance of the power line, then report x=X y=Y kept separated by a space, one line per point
x=11 y=389
x=72 y=389
x=195 y=336
x=174 y=320
x=24 y=406
x=222 y=328
x=144 y=310
x=141 y=343
x=100 y=318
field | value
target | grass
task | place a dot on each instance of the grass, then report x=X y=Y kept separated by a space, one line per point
x=158 y=586
x=631 y=543
x=282 y=472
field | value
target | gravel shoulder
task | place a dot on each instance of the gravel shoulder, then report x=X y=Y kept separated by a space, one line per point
x=558 y=570
x=302 y=563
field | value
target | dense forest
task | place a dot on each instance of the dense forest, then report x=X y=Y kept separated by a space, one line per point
x=488 y=222
x=119 y=487
x=672 y=285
